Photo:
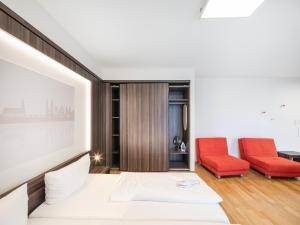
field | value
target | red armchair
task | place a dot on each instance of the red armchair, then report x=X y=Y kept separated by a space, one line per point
x=212 y=153
x=262 y=155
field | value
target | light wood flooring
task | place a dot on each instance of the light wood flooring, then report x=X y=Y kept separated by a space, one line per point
x=255 y=200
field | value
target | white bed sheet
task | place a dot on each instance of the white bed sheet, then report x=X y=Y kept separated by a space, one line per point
x=93 y=202
x=163 y=187
x=43 y=221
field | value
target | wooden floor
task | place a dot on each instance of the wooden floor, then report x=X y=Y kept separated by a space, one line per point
x=255 y=200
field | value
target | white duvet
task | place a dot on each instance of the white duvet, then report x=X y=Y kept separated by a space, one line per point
x=163 y=187
x=92 y=203
x=107 y=222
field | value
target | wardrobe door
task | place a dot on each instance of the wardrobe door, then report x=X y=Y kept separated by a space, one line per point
x=123 y=128
x=138 y=127
x=159 y=157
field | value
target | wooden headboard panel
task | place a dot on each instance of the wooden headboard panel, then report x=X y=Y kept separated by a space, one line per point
x=36 y=185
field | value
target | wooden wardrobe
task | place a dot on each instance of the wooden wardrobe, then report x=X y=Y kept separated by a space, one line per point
x=137 y=116
x=144 y=127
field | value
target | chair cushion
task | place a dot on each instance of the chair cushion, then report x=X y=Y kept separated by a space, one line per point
x=263 y=147
x=211 y=147
x=275 y=164
x=225 y=163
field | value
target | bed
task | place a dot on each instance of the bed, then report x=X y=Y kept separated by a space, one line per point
x=93 y=203
x=99 y=202
x=45 y=221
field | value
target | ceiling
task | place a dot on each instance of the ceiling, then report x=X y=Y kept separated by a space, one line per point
x=169 y=34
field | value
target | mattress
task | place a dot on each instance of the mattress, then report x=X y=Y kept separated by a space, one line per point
x=93 y=202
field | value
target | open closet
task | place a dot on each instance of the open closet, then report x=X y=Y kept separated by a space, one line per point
x=178 y=118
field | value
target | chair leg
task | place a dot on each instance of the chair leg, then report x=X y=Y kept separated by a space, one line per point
x=218 y=177
x=268 y=177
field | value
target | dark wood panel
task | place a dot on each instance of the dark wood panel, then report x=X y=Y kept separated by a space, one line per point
x=95 y=142
x=159 y=127
x=175 y=82
x=138 y=127
x=123 y=128
x=145 y=107
x=101 y=138
x=143 y=150
x=100 y=169
x=36 y=185
x=18 y=27
x=106 y=123
x=179 y=165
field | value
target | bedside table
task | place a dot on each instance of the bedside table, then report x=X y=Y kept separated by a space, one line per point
x=99 y=169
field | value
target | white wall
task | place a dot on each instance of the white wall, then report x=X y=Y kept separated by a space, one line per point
x=147 y=73
x=160 y=74
x=231 y=107
x=33 y=13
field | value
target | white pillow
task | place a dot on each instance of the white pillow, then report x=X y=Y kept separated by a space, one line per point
x=14 y=207
x=62 y=183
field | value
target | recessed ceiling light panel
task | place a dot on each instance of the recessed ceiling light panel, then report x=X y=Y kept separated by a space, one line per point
x=230 y=8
